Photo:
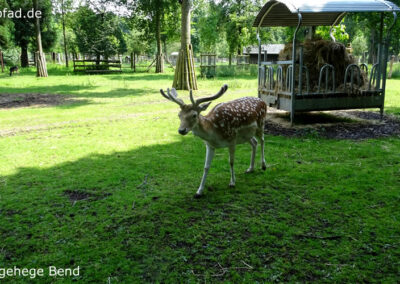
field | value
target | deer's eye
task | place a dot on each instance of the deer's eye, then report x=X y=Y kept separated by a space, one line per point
x=194 y=115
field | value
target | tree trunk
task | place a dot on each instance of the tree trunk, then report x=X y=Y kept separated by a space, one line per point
x=65 y=38
x=98 y=61
x=165 y=48
x=230 y=59
x=2 y=61
x=134 y=61
x=40 y=57
x=372 y=53
x=159 y=56
x=24 y=55
x=185 y=76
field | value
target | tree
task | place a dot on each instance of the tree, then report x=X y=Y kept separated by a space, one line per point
x=24 y=28
x=239 y=18
x=136 y=40
x=209 y=25
x=65 y=6
x=339 y=32
x=5 y=27
x=154 y=14
x=185 y=77
x=40 y=57
x=98 y=33
x=359 y=44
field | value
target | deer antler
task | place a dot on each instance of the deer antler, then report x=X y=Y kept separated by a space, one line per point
x=191 y=97
x=172 y=97
x=207 y=99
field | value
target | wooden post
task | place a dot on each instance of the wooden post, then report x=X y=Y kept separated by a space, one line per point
x=151 y=65
x=391 y=67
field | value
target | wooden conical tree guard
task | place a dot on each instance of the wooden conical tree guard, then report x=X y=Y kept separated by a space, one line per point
x=41 y=65
x=185 y=75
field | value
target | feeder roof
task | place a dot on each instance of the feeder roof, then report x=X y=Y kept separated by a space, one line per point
x=316 y=12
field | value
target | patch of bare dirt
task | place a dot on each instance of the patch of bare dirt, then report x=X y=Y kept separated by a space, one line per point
x=27 y=100
x=77 y=195
x=355 y=125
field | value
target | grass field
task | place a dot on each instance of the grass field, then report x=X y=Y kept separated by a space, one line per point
x=103 y=181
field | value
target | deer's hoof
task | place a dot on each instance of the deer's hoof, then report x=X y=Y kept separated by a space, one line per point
x=231 y=185
x=250 y=170
x=264 y=167
x=197 y=195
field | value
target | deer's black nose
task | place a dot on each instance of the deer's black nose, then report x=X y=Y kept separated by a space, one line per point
x=182 y=131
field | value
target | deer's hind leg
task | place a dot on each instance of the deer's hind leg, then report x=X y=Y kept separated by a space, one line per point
x=253 y=143
x=231 y=163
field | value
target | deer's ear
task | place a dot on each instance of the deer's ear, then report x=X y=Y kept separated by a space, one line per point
x=204 y=106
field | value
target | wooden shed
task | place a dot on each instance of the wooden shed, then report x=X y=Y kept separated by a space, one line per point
x=272 y=51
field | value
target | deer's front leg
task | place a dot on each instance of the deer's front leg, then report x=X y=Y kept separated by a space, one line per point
x=209 y=156
x=231 y=162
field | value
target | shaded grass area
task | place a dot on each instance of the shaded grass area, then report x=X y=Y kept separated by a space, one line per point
x=109 y=186
x=309 y=217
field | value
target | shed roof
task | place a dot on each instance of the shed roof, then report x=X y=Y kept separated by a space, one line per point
x=270 y=48
x=316 y=12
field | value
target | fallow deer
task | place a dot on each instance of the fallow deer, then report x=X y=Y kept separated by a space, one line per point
x=226 y=125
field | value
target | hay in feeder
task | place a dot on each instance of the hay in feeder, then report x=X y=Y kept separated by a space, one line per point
x=317 y=53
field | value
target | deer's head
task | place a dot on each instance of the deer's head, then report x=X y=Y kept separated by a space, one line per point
x=189 y=114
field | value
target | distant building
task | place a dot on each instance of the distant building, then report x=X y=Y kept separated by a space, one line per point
x=174 y=57
x=272 y=52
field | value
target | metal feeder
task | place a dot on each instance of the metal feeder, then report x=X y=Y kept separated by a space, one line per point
x=292 y=92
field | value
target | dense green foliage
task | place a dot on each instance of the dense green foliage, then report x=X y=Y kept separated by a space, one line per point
x=153 y=27
x=24 y=29
x=98 y=33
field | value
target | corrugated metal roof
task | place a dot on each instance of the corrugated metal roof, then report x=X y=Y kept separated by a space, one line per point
x=316 y=12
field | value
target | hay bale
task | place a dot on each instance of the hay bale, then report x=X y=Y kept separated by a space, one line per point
x=317 y=53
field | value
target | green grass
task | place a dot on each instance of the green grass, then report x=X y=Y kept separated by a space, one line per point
x=325 y=210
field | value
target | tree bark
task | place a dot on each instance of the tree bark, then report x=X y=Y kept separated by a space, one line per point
x=65 y=38
x=372 y=53
x=41 y=67
x=98 y=61
x=185 y=76
x=24 y=55
x=1 y=61
x=134 y=62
